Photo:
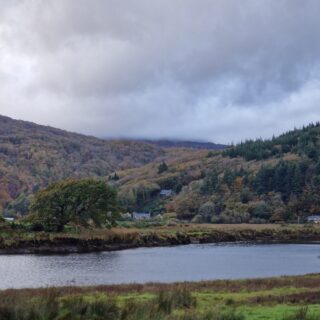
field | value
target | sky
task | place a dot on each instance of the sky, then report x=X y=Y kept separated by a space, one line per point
x=211 y=70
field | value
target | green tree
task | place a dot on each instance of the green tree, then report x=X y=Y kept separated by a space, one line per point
x=318 y=168
x=115 y=177
x=245 y=195
x=298 y=181
x=263 y=182
x=206 y=211
x=261 y=211
x=210 y=182
x=75 y=201
x=228 y=177
x=162 y=167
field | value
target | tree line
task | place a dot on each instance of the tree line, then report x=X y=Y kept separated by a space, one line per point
x=303 y=141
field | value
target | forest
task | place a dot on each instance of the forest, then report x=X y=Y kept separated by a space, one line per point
x=237 y=185
x=257 y=181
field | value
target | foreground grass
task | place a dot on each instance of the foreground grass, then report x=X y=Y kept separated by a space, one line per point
x=14 y=238
x=284 y=298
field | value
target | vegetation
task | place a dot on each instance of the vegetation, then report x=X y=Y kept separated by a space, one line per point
x=162 y=167
x=262 y=181
x=77 y=201
x=33 y=156
x=302 y=142
x=276 y=180
x=285 y=298
x=22 y=237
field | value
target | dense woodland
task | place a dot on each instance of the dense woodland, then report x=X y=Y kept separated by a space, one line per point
x=257 y=181
x=33 y=156
x=304 y=142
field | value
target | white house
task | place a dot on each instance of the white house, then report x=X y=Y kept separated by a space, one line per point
x=314 y=219
x=166 y=193
x=126 y=216
x=141 y=215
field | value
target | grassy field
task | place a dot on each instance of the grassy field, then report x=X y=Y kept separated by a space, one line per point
x=14 y=239
x=284 y=298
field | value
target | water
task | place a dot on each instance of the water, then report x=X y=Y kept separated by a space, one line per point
x=169 y=264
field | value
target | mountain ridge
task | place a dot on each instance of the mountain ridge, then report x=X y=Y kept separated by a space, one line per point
x=173 y=143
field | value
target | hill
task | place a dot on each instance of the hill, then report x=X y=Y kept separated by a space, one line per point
x=31 y=156
x=269 y=180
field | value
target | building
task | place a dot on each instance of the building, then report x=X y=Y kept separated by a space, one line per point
x=313 y=219
x=166 y=193
x=141 y=215
x=126 y=216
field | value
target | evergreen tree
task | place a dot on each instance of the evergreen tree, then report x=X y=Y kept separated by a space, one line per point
x=264 y=180
x=228 y=177
x=280 y=174
x=210 y=182
x=297 y=180
x=162 y=167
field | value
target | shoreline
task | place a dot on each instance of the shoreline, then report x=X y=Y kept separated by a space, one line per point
x=66 y=250
x=122 y=239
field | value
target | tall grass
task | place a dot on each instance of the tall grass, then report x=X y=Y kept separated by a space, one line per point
x=301 y=314
x=75 y=307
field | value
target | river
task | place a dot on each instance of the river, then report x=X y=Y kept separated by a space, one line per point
x=163 y=264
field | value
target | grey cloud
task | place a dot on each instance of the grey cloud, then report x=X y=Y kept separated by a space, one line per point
x=219 y=70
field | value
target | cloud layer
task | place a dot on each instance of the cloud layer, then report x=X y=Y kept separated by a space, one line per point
x=221 y=70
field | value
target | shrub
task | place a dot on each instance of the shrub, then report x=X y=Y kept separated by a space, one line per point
x=167 y=301
x=301 y=314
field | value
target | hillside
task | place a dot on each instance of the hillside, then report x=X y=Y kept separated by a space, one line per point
x=268 y=180
x=31 y=156
x=305 y=141
x=256 y=181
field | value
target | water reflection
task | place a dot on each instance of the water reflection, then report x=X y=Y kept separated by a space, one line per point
x=183 y=263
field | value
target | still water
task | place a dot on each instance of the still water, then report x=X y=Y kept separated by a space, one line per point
x=169 y=264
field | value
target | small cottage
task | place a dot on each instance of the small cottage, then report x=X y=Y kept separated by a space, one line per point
x=9 y=219
x=166 y=193
x=141 y=215
x=313 y=219
x=126 y=216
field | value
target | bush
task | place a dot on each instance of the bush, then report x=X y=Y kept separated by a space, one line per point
x=261 y=211
x=245 y=195
x=106 y=309
x=231 y=216
x=301 y=314
x=206 y=211
x=167 y=301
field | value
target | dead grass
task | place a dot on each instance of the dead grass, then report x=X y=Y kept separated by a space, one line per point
x=311 y=281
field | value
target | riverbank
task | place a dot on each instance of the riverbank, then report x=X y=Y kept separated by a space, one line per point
x=282 y=298
x=19 y=241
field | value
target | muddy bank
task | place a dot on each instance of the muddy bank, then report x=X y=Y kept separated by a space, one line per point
x=43 y=243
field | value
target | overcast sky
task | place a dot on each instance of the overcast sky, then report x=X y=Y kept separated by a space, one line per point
x=217 y=70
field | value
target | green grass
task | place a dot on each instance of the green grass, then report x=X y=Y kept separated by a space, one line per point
x=276 y=312
x=283 y=298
